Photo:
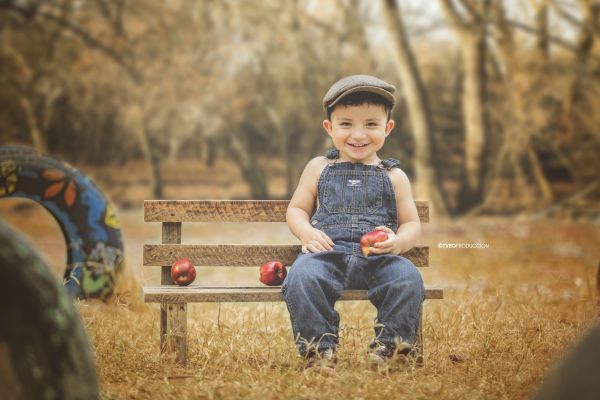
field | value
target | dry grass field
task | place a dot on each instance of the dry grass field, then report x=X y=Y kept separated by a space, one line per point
x=510 y=312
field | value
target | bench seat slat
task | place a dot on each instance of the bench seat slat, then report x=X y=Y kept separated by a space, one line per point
x=215 y=210
x=239 y=255
x=193 y=294
x=229 y=210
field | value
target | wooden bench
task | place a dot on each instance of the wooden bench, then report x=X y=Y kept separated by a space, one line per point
x=174 y=299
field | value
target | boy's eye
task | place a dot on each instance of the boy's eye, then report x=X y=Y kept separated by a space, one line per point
x=344 y=123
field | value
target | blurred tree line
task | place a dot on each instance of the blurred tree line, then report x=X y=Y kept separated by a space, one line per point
x=498 y=115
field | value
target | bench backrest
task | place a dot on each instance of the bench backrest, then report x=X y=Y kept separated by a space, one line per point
x=172 y=213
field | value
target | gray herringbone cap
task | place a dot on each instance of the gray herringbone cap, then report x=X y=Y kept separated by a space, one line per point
x=358 y=83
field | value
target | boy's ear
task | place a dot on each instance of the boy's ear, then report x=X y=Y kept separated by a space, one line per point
x=389 y=126
x=328 y=126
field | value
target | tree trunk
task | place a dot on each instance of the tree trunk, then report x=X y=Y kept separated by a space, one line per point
x=543 y=36
x=355 y=32
x=37 y=139
x=516 y=148
x=286 y=150
x=585 y=43
x=470 y=29
x=157 y=184
x=146 y=145
x=251 y=173
x=427 y=179
x=474 y=103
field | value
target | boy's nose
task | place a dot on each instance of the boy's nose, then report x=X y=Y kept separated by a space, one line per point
x=358 y=133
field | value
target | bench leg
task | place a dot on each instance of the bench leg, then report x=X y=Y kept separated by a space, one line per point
x=419 y=342
x=173 y=317
x=173 y=330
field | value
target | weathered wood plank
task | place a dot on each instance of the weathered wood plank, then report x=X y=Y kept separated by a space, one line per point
x=198 y=294
x=240 y=255
x=229 y=210
x=215 y=210
x=171 y=233
x=176 y=335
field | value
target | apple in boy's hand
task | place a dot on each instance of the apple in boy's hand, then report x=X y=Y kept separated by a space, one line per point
x=272 y=273
x=183 y=272
x=369 y=239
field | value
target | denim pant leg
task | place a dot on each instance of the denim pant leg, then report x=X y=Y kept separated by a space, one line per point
x=396 y=290
x=310 y=292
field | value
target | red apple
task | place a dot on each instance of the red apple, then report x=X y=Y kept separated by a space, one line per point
x=183 y=272
x=272 y=273
x=369 y=239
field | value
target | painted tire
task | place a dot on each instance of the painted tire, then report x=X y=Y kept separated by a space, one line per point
x=45 y=352
x=88 y=221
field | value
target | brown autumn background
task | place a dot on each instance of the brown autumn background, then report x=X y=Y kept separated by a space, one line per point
x=497 y=126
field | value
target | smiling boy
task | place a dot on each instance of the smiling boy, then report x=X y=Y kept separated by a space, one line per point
x=340 y=197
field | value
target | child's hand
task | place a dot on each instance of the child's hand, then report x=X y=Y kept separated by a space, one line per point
x=315 y=241
x=394 y=243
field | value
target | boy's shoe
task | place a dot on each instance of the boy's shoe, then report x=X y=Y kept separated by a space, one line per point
x=323 y=361
x=383 y=356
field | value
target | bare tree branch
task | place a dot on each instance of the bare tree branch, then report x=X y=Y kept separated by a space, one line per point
x=472 y=9
x=425 y=30
x=566 y=15
x=554 y=39
x=451 y=13
x=85 y=36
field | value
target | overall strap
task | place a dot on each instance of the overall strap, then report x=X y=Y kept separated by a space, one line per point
x=388 y=164
x=332 y=154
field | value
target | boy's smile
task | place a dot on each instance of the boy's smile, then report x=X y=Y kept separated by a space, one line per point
x=358 y=132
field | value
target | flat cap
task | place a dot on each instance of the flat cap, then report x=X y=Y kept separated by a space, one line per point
x=358 y=83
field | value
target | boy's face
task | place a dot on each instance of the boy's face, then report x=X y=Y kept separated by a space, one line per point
x=358 y=132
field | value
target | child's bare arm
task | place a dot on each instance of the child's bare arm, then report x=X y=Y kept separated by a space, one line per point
x=301 y=207
x=409 y=225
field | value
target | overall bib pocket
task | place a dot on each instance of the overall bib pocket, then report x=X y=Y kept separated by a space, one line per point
x=353 y=192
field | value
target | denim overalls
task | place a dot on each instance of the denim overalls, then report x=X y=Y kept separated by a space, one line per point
x=353 y=198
